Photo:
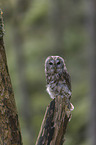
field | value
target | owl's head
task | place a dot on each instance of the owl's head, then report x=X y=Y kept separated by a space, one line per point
x=54 y=64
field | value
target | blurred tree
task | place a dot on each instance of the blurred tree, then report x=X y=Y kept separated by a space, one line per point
x=56 y=17
x=91 y=31
x=19 y=12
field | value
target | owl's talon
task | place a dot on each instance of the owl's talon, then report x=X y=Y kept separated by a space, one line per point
x=72 y=107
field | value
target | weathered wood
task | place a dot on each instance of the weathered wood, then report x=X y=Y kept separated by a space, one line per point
x=54 y=124
x=9 y=125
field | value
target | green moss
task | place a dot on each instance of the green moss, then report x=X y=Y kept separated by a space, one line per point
x=1 y=25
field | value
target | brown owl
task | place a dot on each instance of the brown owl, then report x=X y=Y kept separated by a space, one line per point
x=58 y=79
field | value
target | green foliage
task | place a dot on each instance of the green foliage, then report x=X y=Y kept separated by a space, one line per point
x=36 y=12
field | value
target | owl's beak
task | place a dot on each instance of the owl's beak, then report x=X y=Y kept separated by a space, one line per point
x=55 y=69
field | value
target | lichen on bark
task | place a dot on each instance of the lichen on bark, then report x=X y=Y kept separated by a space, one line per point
x=1 y=25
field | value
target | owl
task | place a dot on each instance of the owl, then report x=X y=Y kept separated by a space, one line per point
x=58 y=80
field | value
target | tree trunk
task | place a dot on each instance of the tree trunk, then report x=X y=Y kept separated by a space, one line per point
x=54 y=124
x=9 y=124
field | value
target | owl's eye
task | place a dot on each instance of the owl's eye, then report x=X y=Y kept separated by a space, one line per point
x=50 y=63
x=58 y=62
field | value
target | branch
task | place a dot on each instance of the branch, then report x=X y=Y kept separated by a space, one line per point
x=54 y=124
x=9 y=124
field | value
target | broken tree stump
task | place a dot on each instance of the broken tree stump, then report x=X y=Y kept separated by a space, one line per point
x=54 y=124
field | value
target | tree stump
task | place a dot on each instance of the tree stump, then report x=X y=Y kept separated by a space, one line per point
x=54 y=124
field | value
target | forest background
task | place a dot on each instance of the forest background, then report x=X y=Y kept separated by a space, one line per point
x=35 y=29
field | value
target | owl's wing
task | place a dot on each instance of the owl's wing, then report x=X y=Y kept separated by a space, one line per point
x=67 y=79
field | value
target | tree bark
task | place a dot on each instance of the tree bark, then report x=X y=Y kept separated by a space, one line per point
x=54 y=124
x=9 y=125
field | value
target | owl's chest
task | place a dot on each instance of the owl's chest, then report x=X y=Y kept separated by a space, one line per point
x=58 y=88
